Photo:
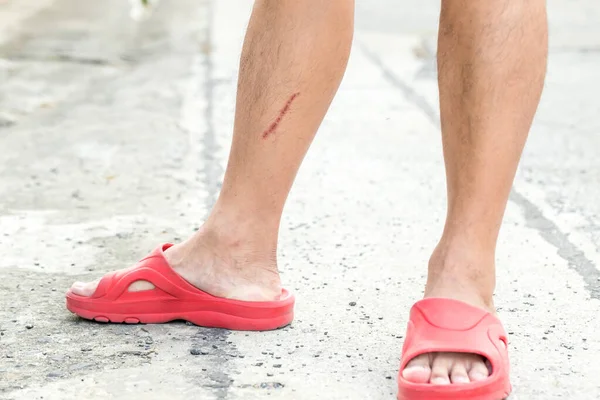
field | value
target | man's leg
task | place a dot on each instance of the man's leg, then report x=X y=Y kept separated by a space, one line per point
x=293 y=60
x=491 y=66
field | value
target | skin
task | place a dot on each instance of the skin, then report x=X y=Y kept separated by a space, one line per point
x=491 y=67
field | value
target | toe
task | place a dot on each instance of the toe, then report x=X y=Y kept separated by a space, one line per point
x=478 y=370
x=440 y=369
x=418 y=370
x=459 y=372
x=84 y=288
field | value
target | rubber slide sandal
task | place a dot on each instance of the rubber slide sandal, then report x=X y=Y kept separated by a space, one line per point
x=446 y=325
x=173 y=298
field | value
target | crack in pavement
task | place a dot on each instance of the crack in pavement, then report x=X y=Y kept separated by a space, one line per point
x=213 y=343
x=64 y=58
x=550 y=232
x=408 y=92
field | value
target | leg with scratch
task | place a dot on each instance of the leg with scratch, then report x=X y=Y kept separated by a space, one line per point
x=291 y=47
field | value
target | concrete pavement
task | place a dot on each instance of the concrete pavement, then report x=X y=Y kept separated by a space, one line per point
x=97 y=111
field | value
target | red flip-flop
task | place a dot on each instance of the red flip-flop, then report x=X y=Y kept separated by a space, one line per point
x=446 y=325
x=173 y=298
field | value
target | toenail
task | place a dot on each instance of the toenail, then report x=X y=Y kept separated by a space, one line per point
x=440 y=381
x=417 y=367
x=460 y=379
x=478 y=376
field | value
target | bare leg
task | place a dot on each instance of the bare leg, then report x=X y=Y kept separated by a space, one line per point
x=294 y=57
x=491 y=66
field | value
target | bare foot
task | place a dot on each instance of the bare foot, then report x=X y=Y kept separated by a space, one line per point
x=220 y=266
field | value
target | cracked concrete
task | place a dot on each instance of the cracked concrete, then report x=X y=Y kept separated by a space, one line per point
x=114 y=137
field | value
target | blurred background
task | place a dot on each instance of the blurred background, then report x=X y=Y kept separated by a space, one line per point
x=115 y=123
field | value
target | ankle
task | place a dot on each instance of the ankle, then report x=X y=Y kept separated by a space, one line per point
x=462 y=273
x=247 y=238
x=230 y=249
x=229 y=243
x=225 y=267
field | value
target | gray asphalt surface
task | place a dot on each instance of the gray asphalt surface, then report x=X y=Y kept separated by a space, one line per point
x=98 y=111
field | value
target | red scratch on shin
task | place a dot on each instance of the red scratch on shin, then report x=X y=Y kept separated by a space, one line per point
x=282 y=112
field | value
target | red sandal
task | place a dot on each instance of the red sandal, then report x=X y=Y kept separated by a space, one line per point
x=173 y=298
x=446 y=325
